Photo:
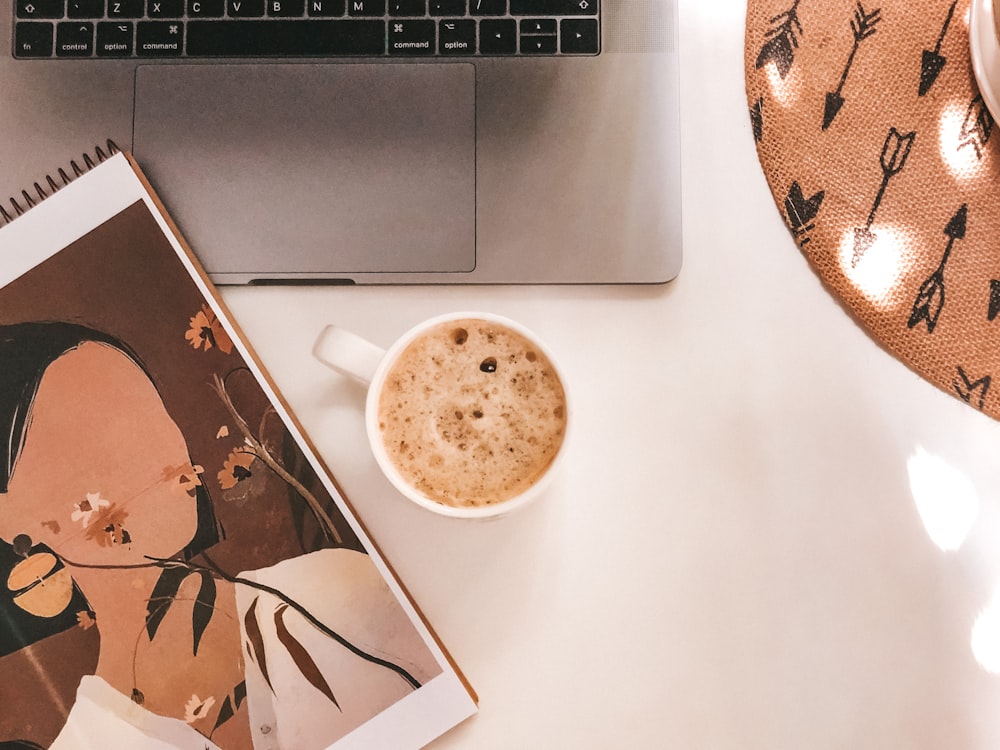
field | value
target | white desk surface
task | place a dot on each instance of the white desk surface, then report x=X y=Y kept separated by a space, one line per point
x=733 y=557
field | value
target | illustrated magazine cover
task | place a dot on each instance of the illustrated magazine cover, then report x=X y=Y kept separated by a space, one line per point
x=178 y=570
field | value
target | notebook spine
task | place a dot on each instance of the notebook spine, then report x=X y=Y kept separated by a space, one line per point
x=19 y=204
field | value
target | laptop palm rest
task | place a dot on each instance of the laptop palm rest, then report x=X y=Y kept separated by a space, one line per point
x=305 y=171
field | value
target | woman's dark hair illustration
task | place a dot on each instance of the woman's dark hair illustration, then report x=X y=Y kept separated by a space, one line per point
x=26 y=351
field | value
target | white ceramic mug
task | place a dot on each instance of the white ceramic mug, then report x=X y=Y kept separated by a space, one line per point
x=358 y=358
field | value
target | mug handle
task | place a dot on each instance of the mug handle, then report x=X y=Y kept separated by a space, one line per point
x=347 y=353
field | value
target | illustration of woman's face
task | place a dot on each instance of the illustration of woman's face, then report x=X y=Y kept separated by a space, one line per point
x=104 y=476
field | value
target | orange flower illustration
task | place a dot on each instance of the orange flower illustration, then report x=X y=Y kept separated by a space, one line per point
x=196 y=708
x=236 y=468
x=85 y=620
x=205 y=330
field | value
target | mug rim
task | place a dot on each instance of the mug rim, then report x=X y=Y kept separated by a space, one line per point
x=389 y=469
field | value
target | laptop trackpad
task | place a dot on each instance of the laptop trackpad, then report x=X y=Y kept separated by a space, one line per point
x=299 y=170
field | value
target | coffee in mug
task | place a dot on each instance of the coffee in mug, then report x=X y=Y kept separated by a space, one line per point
x=471 y=412
x=466 y=413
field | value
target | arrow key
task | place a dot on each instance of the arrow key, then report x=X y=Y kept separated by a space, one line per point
x=498 y=36
x=579 y=36
x=538 y=44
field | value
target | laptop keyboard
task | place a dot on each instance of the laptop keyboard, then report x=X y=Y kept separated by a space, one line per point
x=304 y=28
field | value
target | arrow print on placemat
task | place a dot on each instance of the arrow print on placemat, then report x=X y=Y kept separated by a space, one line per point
x=994 y=300
x=895 y=152
x=757 y=119
x=801 y=211
x=932 y=62
x=968 y=389
x=781 y=41
x=930 y=298
x=863 y=26
x=977 y=127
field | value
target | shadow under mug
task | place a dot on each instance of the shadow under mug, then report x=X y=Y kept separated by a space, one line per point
x=354 y=356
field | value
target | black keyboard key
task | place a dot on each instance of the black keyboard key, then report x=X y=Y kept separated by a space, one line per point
x=457 y=37
x=85 y=9
x=538 y=45
x=448 y=7
x=498 y=36
x=539 y=26
x=411 y=37
x=578 y=36
x=246 y=8
x=74 y=39
x=159 y=39
x=206 y=8
x=407 y=7
x=114 y=39
x=125 y=9
x=165 y=8
x=488 y=7
x=285 y=38
x=286 y=8
x=366 y=7
x=326 y=8
x=33 y=39
x=41 y=8
x=553 y=7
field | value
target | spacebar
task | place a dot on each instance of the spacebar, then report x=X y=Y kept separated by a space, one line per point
x=285 y=38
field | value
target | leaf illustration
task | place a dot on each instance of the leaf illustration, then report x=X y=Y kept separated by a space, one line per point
x=225 y=713
x=255 y=646
x=301 y=657
x=231 y=705
x=162 y=596
x=204 y=608
x=240 y=693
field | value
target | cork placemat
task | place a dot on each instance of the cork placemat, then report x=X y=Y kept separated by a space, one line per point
x=881 y=156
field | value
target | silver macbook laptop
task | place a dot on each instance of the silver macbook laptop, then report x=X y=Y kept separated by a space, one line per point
x=368 y=141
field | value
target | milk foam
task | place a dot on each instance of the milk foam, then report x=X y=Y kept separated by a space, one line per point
x=472 y=413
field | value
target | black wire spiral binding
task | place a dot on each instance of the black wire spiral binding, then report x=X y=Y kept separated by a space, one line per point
x=26 y=201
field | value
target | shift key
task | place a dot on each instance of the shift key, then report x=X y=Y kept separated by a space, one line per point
x=554 y=7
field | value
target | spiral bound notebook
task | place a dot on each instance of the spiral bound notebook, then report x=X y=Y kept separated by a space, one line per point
x=181 y=570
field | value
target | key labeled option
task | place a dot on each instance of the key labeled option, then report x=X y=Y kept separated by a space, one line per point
x=114 y=39
x=457 y=37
